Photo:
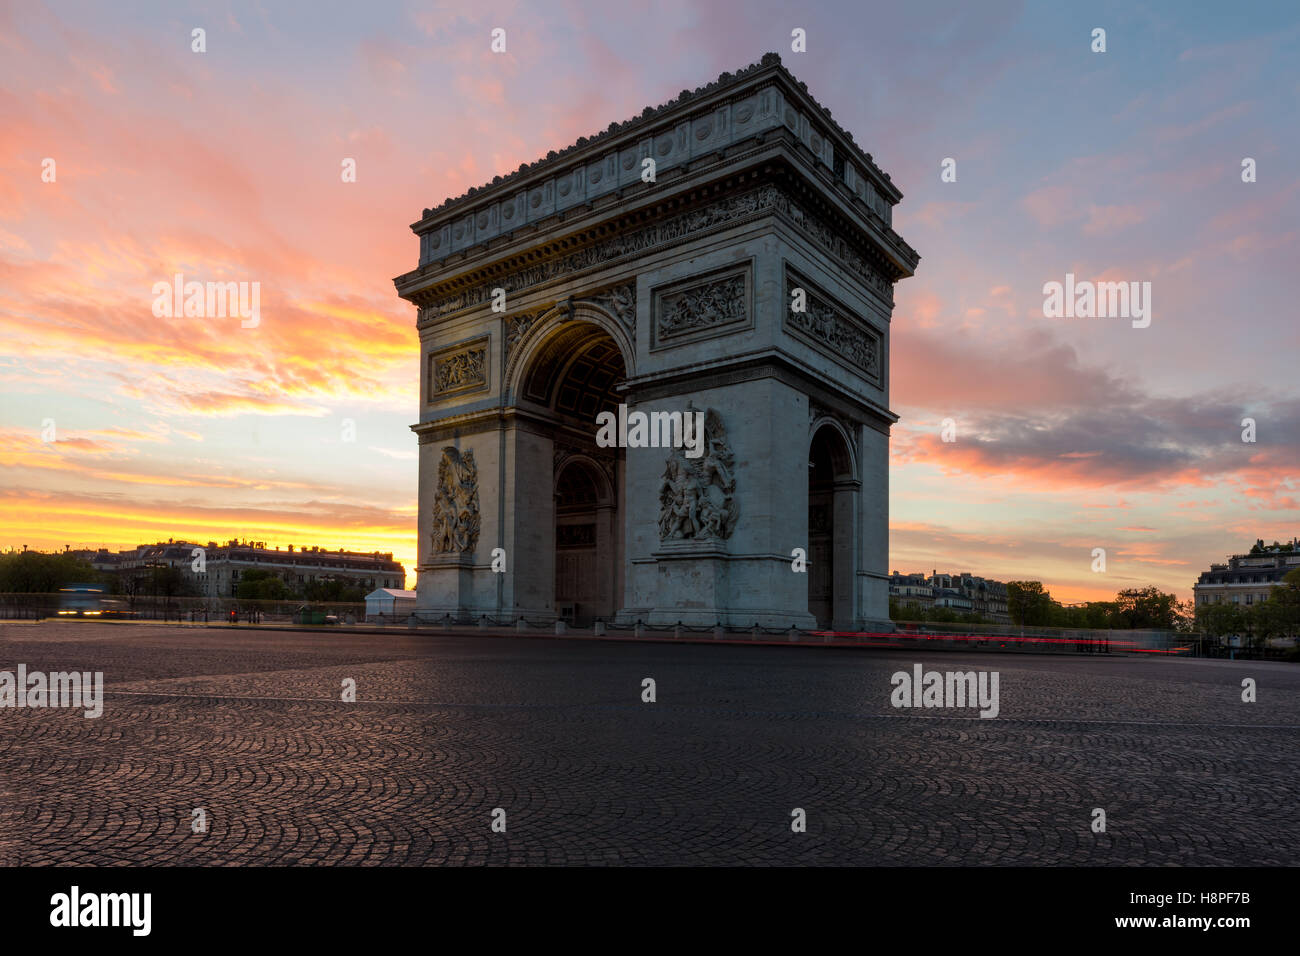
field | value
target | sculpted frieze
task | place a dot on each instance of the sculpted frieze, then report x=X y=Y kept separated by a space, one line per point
x=668 y=230
x=831 y=327
x=701 y=307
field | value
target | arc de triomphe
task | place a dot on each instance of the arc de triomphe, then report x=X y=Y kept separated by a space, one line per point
x=751 y=281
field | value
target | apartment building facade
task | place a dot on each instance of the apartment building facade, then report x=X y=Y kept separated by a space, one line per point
x=1247 y=579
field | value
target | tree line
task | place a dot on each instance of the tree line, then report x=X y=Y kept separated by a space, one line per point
x=1029 y=604
x=39 y=572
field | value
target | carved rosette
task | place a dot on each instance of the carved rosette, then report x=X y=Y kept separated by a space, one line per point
x=455 y=512
x=619 y=301
x=697 y=496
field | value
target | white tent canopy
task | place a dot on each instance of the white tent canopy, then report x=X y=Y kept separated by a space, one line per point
x=388 y=604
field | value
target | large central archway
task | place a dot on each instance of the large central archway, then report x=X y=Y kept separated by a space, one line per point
x=573 y=373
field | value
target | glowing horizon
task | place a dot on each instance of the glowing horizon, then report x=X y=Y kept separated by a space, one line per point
x=225 y=166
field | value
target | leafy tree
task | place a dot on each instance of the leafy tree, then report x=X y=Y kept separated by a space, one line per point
x=1102 y=615
x=261 y=585
x=903 y=612
x=1282 y=616
x=1269 y=619
x=332 y=591
x=1028 y=603
x=36 y=572
x=1221 y=619
x=1147 y=607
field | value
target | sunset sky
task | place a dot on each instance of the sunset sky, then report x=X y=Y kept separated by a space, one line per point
x=1072 y=433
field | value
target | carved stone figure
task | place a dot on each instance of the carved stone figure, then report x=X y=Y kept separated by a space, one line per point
x=703 y=307
x=697 y=496
x=833 y=329
x=517 y=327
x=461 y=370
x=455 y=508
x=621 y=300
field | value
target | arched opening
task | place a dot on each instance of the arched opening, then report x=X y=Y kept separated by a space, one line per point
x=574 y=375
x=585 y=538
x=831 y=520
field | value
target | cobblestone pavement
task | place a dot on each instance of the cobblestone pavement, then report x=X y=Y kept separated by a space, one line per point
x=250 y=727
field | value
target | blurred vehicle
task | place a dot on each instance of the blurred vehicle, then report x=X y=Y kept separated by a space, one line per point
x=89 y=600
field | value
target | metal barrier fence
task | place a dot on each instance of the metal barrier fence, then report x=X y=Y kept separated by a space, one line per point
x=180 y=609
x=326 y=613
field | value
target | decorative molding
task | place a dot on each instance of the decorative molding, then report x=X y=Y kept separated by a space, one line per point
x=833 y=329
x=833 y=242
x=455 y=512
x=458 y=368
x=565 y=450
x=752 y=103
x=673 y=229
x=702 y=306
x=697 y=496
x=620 y=300
x=817 y=411
x=517 y=327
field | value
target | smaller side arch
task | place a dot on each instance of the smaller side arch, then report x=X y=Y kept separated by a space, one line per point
x=605 y=492
x=844 y=455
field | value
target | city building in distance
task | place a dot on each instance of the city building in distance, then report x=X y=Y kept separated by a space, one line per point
x=1248 y=578
x=964 y=593
x=224 y=564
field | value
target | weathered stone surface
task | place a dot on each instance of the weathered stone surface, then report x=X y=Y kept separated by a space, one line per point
x=661 y=297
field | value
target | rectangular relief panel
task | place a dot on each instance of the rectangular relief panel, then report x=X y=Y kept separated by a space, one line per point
x=715 y=303
x=458 y=369
x=831 y=328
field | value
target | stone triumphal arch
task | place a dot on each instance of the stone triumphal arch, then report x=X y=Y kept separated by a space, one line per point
x=752 y=282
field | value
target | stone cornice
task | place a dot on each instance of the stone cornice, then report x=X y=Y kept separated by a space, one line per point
x=768 y=120
x=763 y=363
x=539 y=421
x=638 y=231
x=768 y=71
